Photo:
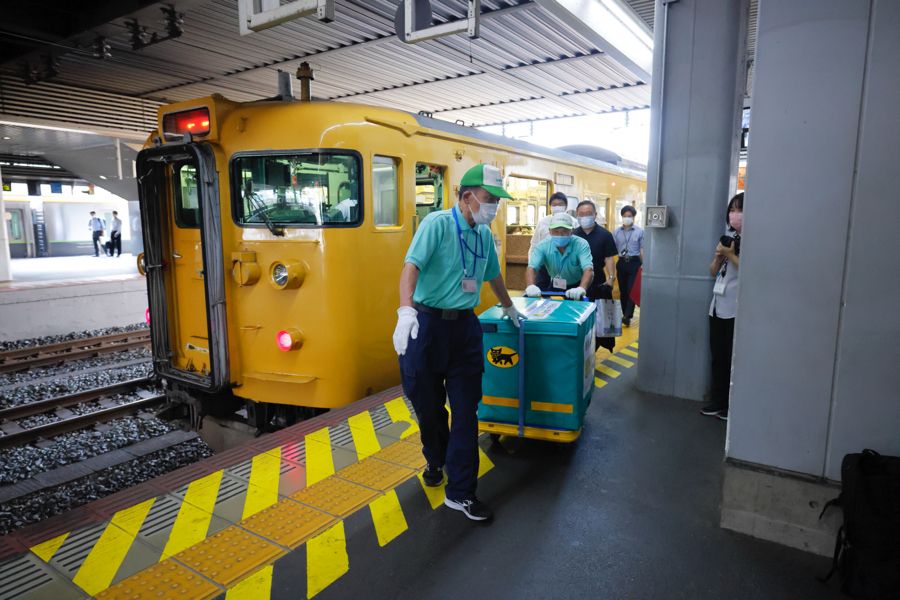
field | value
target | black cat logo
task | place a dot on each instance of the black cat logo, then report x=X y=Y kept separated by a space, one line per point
x=503 y=357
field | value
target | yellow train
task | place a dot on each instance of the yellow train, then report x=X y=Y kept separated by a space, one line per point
x=275 y=232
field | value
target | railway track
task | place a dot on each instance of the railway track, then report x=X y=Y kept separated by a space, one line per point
x=17 y=436
x=51 y=354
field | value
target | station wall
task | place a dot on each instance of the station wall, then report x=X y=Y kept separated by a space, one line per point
x=816 y=348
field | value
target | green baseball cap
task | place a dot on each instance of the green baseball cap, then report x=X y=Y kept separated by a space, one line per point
x=560 y=220
x=487 y=177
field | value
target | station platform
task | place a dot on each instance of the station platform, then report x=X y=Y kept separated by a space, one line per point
x=59 y=295
x=335 y=507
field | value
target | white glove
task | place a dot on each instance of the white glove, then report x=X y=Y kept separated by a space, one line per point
x=533 y=291
x=407 y=327
x=511 y=312
x=575 y=293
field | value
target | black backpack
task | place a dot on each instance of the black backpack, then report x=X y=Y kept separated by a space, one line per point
x=867 y=548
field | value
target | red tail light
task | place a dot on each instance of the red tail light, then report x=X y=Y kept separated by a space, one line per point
x=195 y=122
x=147 y=315
x=288 y=339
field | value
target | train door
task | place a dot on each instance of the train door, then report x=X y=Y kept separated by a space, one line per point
x=183 y=261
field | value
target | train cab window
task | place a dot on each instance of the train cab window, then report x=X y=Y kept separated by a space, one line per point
x=384 y=191
x=529 y=199
x=429 y=189
x=304 y=189
x=187 y=207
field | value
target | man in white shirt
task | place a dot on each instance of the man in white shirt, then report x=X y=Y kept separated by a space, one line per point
x=115 y=235
x=96 y=225
x=558 y=204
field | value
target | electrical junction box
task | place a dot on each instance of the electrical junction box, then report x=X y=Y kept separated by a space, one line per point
x=657 y=216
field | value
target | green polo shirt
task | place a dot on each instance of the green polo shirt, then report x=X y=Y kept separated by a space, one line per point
x=435 y=250
x=569 y=265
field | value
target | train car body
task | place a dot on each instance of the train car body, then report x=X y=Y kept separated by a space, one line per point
x=275 y=233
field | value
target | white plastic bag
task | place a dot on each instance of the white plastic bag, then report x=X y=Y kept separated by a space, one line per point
x=609 y=318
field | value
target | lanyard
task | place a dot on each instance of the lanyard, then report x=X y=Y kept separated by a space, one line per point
x=624 y=251
x=463 y=246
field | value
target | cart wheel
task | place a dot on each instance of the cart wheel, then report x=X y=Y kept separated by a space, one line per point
x=495 y=438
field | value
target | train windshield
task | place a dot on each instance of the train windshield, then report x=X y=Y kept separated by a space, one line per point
x=298 y=189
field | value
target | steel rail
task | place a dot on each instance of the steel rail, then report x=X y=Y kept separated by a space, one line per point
x=25 y=436
x=34 y=408
x=36 y=356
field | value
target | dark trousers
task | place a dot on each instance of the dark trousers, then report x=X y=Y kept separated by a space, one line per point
x=115 y=243
x=96 y=238
x=445 y=361
x=626 y=272
x=721 y=339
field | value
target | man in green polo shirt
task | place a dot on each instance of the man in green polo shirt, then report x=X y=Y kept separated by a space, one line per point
x=438 y=336
x=567 y=259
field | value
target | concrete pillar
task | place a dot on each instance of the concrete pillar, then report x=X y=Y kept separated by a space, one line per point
x=5 y=264
x=816 y=344
x=697 y=95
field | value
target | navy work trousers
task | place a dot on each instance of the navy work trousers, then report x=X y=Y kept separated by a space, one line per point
x=445 y=361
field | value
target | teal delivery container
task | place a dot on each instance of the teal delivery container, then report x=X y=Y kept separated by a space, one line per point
x=557 y=366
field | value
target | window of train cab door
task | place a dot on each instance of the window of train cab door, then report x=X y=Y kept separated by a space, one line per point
x=430 y=190
x=386 y=207
x=190 y=343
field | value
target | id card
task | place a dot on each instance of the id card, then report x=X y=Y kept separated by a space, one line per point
x=559 y=283
x=469 y=286
x=719 y=287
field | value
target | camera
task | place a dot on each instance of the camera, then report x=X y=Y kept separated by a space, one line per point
x=727 y=240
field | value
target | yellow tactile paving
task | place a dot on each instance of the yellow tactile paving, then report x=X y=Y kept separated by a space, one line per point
x=167 y=579
x=287 y=523
x=229 y=556
x=627 y=352
x=619 y=360
x=608 y=371
x=335 y=496
x=99 y=568
x=414 y=438
x=407 y=455
x=376 y=474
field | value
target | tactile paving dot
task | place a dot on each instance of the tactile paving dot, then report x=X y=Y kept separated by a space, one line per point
x=287 y=523
x=403 y=454
x=376 y=474
x=229 y=555
x=336 y=496
x=167 y=579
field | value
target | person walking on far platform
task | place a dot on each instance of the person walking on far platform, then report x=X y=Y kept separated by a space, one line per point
x=438 y=337
x=630 y=244
x=115 y=235
x=96 y=225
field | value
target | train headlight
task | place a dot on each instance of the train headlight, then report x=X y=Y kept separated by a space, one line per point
x=288 y=339
x=279 y=275
x=287 y=275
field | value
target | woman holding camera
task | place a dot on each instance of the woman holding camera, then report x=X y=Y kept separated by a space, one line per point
x=723 y=308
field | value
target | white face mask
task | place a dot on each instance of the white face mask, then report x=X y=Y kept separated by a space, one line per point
x=485 y=214
x=627 y=221
x=586 y=222
x=557 y=208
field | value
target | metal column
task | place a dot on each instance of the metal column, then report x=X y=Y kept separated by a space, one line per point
x=5 y=264
x=695 y=127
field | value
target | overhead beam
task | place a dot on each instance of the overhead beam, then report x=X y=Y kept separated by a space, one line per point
x=613 y=27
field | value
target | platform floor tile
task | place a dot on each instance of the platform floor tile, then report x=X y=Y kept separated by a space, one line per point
x=376 y=474
x=288 y=523
x=335 y=496
x=167 y=579
x=229 y=556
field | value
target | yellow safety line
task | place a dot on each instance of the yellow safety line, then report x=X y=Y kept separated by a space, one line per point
x=46 y=550
x=620 y=360
x=192 y=523
x=634 y=345
x=319 y=460
x=326 y=559
x=607 y=371
x=399 y=413
x=484 y=463
x=628 y=352
x=99 y=568
x=387 y=516
x=256 y=587
x=265 y=474
x=598 y=383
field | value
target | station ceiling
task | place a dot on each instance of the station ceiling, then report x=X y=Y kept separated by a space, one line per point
x=527 y=65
